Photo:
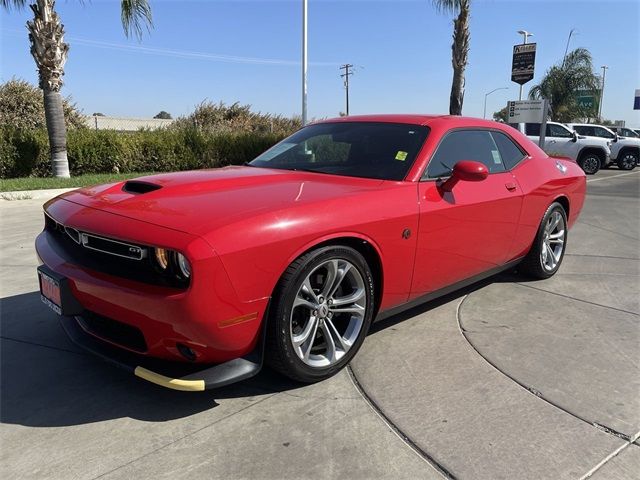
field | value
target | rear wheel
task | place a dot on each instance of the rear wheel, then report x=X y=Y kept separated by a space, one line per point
x=547 y=251
x=590 y=162
x=321 y=312
x=627 y=160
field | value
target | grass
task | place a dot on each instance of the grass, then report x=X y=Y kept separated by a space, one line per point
x=36 y=183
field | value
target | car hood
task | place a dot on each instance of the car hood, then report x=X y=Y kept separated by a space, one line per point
x=200 y=201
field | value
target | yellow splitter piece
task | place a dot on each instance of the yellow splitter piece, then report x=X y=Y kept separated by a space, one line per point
x=173 y=383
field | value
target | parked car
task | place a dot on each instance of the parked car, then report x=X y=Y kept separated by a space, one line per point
x=190 y=279
x=625 y=151
x=590 y=153
x=625 y=132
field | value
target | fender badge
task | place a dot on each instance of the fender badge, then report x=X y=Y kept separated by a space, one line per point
x=561 y=167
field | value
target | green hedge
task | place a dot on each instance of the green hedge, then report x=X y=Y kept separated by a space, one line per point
x=25 y=153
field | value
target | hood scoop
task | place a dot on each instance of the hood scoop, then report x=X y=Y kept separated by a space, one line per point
x=137 y=187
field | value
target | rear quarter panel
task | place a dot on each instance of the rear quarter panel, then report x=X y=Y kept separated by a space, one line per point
x=542 y=183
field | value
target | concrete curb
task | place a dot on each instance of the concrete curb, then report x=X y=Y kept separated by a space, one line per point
x=33 y=194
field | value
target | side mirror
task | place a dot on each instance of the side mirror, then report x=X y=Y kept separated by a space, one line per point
x=466 y=170
x=575 y=136
x=615 y=137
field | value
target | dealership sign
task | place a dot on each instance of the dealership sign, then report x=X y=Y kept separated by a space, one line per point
x=524 y=61
x=526 y=111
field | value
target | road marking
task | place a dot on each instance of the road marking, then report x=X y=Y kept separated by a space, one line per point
x=612 y=176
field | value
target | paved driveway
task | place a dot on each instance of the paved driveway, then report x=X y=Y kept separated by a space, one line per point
x=507 y=379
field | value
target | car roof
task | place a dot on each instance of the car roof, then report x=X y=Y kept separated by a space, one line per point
x=414 y=119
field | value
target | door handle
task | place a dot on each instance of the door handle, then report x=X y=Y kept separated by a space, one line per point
x=510 y=186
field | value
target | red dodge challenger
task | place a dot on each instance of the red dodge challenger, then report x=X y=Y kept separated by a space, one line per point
x=193 y=280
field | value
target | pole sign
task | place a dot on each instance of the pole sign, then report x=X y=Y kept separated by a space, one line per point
x=636 y=102
x=526 y=111
x=524 y=61
x=589 y=102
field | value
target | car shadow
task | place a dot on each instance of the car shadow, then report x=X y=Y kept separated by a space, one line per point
x=46 y=381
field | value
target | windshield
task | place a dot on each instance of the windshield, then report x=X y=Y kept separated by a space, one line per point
x=355 y=149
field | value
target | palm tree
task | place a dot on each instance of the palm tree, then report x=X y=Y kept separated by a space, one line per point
x=49 y=50
x=459 y=48
x=561 y=85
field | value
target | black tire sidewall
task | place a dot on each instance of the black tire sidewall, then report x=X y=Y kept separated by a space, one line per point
x=621 y=164
x=294 y=367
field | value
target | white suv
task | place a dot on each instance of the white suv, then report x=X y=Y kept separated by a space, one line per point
x=624 y=151
x=590 y=153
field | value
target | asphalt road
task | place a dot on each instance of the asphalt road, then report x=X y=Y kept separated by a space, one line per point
x=506 y=379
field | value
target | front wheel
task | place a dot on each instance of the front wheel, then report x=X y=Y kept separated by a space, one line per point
x=590 y=163
x=321 y=312
x=547 y=251
x=627 y=160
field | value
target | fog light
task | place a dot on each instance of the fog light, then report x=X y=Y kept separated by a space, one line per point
x=162 y=258
x=186 y=352
x=184 y=266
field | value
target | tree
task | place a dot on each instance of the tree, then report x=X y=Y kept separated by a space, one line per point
x=459 y=48
x=164 y=115
x=561 y=84
x=501 y=115
x=21 y=106
x=49 y=50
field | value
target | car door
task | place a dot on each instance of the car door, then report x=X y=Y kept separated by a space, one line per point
x=469 y=230
x=559 y=141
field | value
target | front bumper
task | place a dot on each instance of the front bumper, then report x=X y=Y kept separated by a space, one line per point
x=176 y=376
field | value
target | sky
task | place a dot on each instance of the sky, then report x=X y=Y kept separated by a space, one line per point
x=249 y=51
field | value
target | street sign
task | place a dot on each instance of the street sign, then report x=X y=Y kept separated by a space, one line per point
x=589 y=102
x=523 y=64
x=525 y=111
x=636 y=102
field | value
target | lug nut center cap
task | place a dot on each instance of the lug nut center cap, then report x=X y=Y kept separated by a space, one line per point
x=323 y=310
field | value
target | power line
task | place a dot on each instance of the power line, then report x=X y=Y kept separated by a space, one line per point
x=347 y=73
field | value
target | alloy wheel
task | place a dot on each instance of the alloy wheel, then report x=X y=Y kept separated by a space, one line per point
x=553 y=240
x=628 y=161
x=591 y=164
x=328 y=313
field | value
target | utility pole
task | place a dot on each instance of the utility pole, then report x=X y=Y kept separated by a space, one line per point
x=604 y=74
x=304 y=62
x=525 y=35
x=346 y=75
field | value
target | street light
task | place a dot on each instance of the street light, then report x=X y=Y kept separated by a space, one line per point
x=484 y=114
x=525 y=36
x=304 y=62
x=604 y=74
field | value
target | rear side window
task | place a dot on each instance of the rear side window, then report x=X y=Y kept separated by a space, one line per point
x=585 y=130
x=477 y=145
x=511 y=154
x=554 y=130
x=532 y=129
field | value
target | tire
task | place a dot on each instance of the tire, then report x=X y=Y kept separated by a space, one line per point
x=590 y=163
x=537 y=264
x=309 y=338
x=627 y=160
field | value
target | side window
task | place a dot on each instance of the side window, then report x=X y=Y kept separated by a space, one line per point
x=584 y=130
x=477 y=145
x=602 y=132
x=532 y=129
x=554 y=130
x=509 y=151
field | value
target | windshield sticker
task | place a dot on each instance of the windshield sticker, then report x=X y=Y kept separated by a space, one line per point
x=402 y=156
x=276 y=150
x=496 y=157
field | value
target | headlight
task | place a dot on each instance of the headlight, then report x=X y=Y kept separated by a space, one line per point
x=183 y=265
x=162 y=258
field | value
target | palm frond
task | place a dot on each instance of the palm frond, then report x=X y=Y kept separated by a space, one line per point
x=136 y=16
x=447 y=6
x=9 y=4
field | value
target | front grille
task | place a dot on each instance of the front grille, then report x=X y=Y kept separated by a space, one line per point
x=113 y=331
x=110 y=256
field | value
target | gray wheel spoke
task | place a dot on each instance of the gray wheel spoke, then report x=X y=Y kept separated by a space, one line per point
x=303 y=336
x=306 y=288
x=331 y=351
x=332 y=274
x=351 y=309
x=338 y=339
x=299 y=301
x=353 y=298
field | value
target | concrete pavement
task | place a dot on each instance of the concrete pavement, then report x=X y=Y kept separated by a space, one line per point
x=506 y=379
